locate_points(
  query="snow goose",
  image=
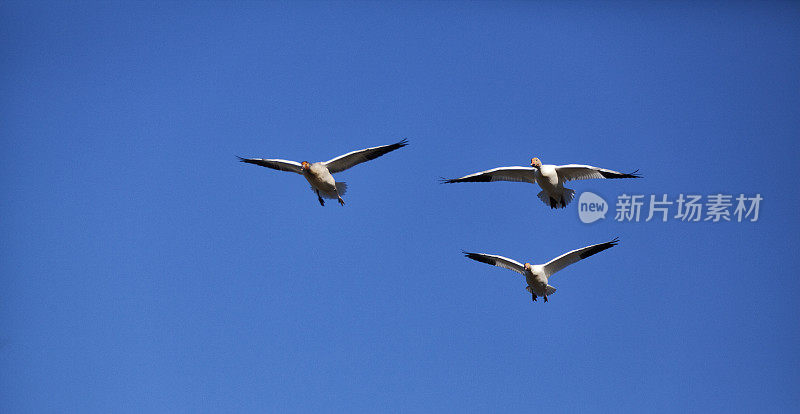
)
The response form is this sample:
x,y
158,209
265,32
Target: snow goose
x,y
319,175
537,275
551,178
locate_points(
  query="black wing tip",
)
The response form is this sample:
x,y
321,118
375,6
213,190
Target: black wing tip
x,y
385,149
397,145
479,257
478,179
613,175
599,248
634,174
242,159
473,256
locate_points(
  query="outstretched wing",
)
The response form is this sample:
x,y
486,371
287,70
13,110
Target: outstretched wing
x,y
351,159
282,165
498,261
584,172
520,174
569,258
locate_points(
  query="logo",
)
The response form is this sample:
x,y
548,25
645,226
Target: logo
x,y
591,207
634,208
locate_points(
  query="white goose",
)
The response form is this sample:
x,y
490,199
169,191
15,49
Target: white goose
x,y
551,178
537,275
319,175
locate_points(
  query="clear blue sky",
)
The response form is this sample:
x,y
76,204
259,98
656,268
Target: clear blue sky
x,y
145,270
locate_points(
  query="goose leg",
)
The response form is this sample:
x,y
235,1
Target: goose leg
x,y
545,299
534,296
321,201
340,199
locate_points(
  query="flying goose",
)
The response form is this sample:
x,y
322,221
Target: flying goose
x,y
319,175
551,178
537,275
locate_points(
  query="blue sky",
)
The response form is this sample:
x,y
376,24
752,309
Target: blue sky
x,y
145,270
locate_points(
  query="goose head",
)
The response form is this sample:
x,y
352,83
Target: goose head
x,y
536,163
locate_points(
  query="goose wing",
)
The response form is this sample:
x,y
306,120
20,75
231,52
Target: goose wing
x,y
354,158
498,261
576,255
281,165
583,172
519,174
